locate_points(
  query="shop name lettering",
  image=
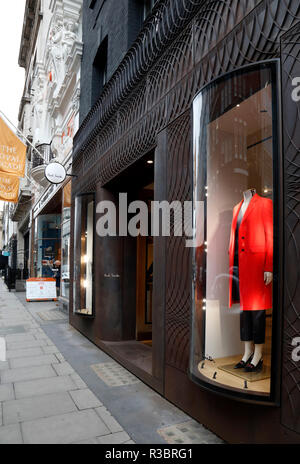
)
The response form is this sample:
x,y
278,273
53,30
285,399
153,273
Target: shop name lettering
x,y
296,351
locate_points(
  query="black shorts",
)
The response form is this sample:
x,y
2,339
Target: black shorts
x,y
253,326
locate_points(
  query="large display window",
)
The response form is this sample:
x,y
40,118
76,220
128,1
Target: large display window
x,y
236,217
84,254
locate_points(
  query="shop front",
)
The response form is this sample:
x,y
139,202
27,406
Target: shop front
x,y
219,329
50,239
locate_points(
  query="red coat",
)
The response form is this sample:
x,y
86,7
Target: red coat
x,y
255,254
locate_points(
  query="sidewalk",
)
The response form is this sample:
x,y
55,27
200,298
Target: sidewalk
x,y
57,387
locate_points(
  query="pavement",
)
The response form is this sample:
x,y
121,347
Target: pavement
x,y
56,387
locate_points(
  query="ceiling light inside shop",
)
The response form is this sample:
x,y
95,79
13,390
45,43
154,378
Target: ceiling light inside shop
x,y
150,161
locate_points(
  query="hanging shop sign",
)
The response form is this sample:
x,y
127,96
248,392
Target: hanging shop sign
x,y
55,173
5,253
9,188
12,152
41,289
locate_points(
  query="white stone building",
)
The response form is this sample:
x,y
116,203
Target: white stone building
x,y
50,52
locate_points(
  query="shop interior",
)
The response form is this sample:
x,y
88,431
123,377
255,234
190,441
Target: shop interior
x,y
239,148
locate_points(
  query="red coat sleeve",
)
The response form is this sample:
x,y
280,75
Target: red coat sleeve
x,y
268,226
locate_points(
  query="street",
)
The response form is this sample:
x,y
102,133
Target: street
x,y
58,388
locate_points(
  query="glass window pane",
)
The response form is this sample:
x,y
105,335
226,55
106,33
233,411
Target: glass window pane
x,y
47,247
65,245
233,217
83,253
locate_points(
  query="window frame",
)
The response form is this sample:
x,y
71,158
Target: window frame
x,y
278,165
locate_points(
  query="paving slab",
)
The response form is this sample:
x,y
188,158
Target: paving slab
x,y
11,435
89,441
50,349
12,330
64,429
78,381
43,386
109,420
26,373
28,409
7,392
63,368
114,438
33,361
85,399
17,338
26,344
10,354
4,365
189,432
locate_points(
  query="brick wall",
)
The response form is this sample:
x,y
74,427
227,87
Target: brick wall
x,y
120,21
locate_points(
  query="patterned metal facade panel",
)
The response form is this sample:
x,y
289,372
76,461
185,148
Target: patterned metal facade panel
x,y
178,258
184,45
291,138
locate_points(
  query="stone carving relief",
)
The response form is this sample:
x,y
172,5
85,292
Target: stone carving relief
x,y
69,37
62,36
55,49
38,105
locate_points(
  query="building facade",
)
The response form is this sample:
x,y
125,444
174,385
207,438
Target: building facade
x,y
50,52
202,106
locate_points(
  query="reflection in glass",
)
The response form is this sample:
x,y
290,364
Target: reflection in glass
x,y
233,259
83,252
66,235
47,244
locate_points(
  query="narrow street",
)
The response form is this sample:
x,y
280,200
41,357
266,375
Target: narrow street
x,y
57,387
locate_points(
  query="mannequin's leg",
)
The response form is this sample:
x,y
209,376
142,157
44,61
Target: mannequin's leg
x,y
258,354
246,328
248,351
259,330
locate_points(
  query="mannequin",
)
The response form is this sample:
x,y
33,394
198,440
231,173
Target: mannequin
x,y
251,251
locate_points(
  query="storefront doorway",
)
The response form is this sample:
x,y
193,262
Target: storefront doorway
x,y
136,346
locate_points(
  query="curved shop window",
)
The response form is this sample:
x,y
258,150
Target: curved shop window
x,y
236,300
84,254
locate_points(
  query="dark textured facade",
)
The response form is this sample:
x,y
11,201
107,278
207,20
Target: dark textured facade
x,y
118,22
146,106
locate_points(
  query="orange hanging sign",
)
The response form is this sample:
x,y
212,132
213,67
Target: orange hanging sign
x,y
9,187
12,152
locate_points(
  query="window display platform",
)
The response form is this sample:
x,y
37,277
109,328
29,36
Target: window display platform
x,y
214,370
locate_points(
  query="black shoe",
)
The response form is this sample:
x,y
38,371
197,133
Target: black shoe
x,y
251,368
242,364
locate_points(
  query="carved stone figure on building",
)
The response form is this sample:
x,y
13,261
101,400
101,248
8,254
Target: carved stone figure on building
x,y
38,105
56,50
69,37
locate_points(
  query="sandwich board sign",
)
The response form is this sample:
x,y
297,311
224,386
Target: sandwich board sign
x,y
41,289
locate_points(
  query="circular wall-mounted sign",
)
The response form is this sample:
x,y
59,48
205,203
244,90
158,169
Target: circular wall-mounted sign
x,y
55,173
